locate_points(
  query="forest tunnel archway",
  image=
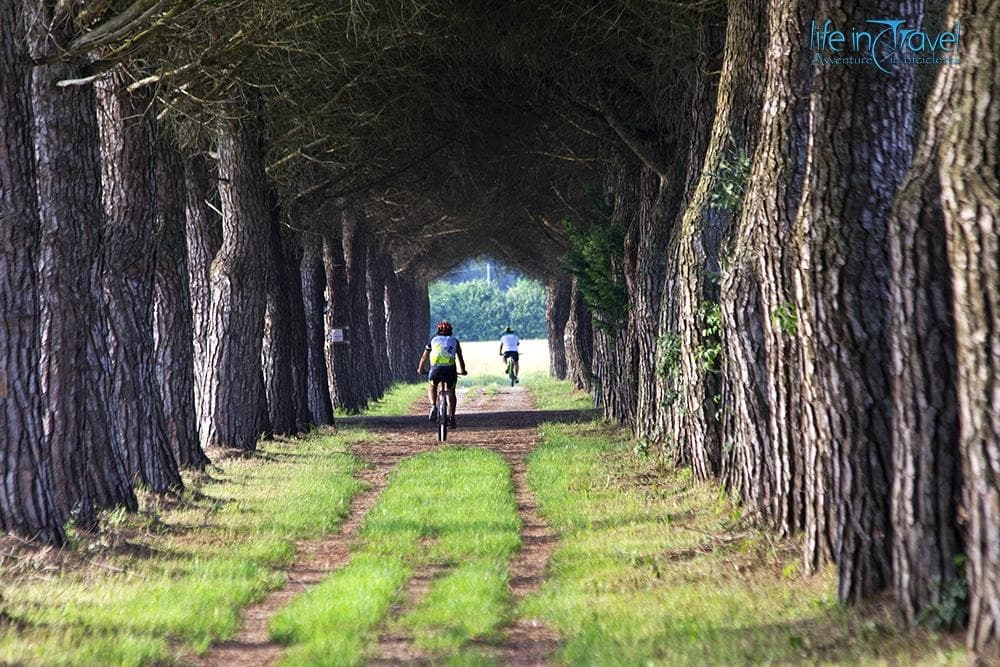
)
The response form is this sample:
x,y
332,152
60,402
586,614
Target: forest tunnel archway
x,y
756,283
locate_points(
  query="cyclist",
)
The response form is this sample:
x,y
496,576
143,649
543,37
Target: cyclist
x,y
508,349
441,353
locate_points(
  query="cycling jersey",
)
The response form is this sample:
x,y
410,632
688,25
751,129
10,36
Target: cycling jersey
x,y
443,350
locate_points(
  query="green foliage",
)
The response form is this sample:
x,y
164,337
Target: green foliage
x,y
730,178
596,260
480,310
710,353
952,609
786,316
668,365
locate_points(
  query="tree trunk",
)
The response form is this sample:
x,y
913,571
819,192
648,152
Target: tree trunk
x,y
87,458
859,152
292,243
204,238
970,195
277,345
761,382
699,239
27,506
235,389
172,311
129,189
579,341
379,266
345,390
556,315
398,326
314,302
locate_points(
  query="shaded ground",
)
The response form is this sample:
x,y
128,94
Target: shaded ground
x,y
502,421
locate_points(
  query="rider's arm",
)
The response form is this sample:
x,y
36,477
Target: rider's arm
x,y
424,358
501,348
461,359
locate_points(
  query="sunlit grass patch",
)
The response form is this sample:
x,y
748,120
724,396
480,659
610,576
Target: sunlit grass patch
x,y
453,508
397,400
655,569
160,582
552,394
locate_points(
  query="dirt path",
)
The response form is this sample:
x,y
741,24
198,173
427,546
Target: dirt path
x,y
504,422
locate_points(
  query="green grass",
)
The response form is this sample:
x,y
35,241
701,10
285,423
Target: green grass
x,y
552,394
651,569
453,508
396,401
174,579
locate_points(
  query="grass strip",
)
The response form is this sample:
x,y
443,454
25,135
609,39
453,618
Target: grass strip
x,y
552,394
451,507
655,569
171,579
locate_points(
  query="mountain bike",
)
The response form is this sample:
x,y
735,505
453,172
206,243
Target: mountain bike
x,y
511,373
442,409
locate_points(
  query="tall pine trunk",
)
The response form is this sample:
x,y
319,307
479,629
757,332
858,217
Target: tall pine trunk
x,y
277,345
556,316
86,453
761,383
969,172
27,507
172,311
314,304
204,238
129,189
859,152
236,406
379,266
578,340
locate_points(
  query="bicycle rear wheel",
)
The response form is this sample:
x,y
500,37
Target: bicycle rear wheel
x,y
443,414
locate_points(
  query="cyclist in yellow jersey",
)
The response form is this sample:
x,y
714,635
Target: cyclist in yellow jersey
x,y
442,353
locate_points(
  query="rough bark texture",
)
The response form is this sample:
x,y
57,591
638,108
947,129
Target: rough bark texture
x,y
579,341
379,266
172,311
87,458
292,244
697,406
556,316
344,391
398,326
27,507
128,166
860,150
969,156
204,238
235,389
314,304
761,388
926,459
276,357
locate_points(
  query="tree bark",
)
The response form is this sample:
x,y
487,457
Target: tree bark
x,y
292,244
235,388
86,453
172,311
314,303
27,507
556,316
204,238
860,150
969,174
398,326
379,266
697,427
345,391
277,345
579,341
129,192
761,383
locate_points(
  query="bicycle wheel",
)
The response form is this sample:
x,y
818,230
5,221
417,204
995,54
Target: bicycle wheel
x,y
443,414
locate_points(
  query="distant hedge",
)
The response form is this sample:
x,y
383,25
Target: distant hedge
x,y
480,310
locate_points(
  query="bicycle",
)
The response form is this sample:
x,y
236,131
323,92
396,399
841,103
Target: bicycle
x,y
442,409
511,373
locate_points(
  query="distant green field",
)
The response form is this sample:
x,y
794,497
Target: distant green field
x,y
483,357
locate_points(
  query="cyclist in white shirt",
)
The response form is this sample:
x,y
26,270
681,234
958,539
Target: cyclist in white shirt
x,y
508,349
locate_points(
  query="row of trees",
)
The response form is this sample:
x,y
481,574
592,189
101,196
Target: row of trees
x,y
811,309
783,274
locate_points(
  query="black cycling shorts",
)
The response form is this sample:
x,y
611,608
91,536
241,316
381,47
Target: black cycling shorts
x,y
447,374
510,354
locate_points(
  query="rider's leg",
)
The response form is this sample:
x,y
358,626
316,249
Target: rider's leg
x,y
451,401
432,393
